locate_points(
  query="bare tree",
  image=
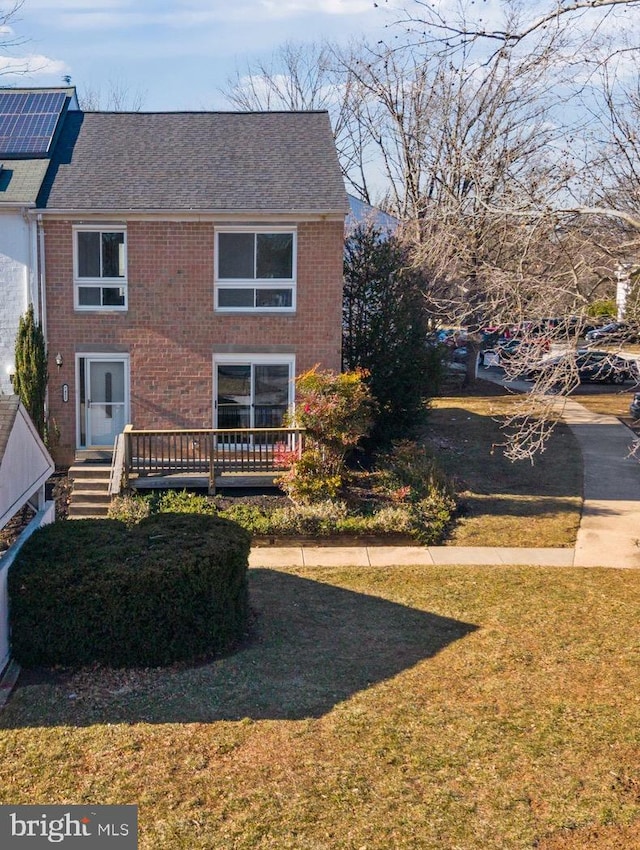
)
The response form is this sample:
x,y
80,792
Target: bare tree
x,y
446,31
8,40
116,96
506,150
296,77
303,77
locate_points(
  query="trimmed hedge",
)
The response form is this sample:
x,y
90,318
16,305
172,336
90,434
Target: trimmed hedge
x,y
172,588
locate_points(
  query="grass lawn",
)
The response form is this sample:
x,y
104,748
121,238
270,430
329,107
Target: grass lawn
x,y
612,402
505,503
457,708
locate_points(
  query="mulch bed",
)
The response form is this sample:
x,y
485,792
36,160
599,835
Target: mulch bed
x,y
14,528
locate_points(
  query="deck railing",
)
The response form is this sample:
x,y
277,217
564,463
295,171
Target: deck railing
x,y
209,451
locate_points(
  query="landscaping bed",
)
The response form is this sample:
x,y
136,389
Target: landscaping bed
x,y
336,540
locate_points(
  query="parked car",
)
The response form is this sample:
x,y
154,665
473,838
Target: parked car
x,y
613,332
634,407
508,349
591,366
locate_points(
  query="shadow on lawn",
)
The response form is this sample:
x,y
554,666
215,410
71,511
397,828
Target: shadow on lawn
x,y
312,646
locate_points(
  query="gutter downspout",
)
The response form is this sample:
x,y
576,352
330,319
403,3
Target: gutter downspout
x,y
42,278
32,267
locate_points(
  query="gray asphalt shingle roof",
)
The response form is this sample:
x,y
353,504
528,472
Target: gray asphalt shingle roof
x,y
8,411
218,161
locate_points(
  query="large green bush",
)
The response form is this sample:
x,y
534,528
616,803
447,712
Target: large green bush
x,y
384,330
171,588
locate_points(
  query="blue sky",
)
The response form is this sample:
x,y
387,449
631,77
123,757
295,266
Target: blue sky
x,y
175,53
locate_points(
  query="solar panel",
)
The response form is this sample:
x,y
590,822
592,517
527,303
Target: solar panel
x,y
28,121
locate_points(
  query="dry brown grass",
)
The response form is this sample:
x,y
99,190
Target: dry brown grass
x,y
609,402
505,503
460,707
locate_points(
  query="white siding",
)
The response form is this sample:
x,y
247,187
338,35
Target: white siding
x,y
16,281
25,467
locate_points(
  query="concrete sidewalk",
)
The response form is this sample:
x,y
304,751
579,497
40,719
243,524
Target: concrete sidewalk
x,y
398,556
609,533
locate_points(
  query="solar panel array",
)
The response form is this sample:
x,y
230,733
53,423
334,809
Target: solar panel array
x,y
28,121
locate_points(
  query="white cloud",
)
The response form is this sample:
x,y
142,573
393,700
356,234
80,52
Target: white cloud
x,y
285,8
78,5
33,65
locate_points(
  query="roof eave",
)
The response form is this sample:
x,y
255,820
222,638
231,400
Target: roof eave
x,y
28,205
212,213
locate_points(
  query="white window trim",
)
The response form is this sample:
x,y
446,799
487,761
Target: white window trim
x,y
99,282
248,359
257,283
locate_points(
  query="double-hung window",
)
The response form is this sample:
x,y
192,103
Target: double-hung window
x,y
255,269
100,268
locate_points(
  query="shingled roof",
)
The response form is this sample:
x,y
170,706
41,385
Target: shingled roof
x,y
8,410
214,161
20,180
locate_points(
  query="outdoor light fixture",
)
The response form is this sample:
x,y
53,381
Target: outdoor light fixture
x,y
59,360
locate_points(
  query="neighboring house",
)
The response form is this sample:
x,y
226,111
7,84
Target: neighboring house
x,y
25,465
193,267
361,213
627,276
29,123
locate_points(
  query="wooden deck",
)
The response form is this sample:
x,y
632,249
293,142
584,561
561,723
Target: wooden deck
x,y
203,458
198,481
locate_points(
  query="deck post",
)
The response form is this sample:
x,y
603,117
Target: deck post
x,y
212,467
127,456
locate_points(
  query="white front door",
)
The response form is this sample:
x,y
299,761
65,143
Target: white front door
x,y
103,400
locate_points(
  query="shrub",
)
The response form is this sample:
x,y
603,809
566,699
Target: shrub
x,y
336,412
409,474
171,588
31,376
384,328
129,509
183,502
312,479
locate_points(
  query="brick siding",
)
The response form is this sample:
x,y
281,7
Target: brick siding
x,y
170,330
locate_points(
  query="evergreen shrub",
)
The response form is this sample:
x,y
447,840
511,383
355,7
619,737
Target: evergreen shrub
x,y
173,587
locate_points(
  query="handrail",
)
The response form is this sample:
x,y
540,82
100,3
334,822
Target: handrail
x,y
117,466
130,430
210,451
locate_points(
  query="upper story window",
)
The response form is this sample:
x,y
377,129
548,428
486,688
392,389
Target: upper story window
x,y
255,269
100,268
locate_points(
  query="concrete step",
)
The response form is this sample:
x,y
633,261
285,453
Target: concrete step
x,y
93,496
91,484
90,493
87,510
97,472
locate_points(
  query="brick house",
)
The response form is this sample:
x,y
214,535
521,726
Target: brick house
x,y
192,267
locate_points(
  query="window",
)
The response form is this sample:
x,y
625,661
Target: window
x,y
100,276
255,270
252,391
